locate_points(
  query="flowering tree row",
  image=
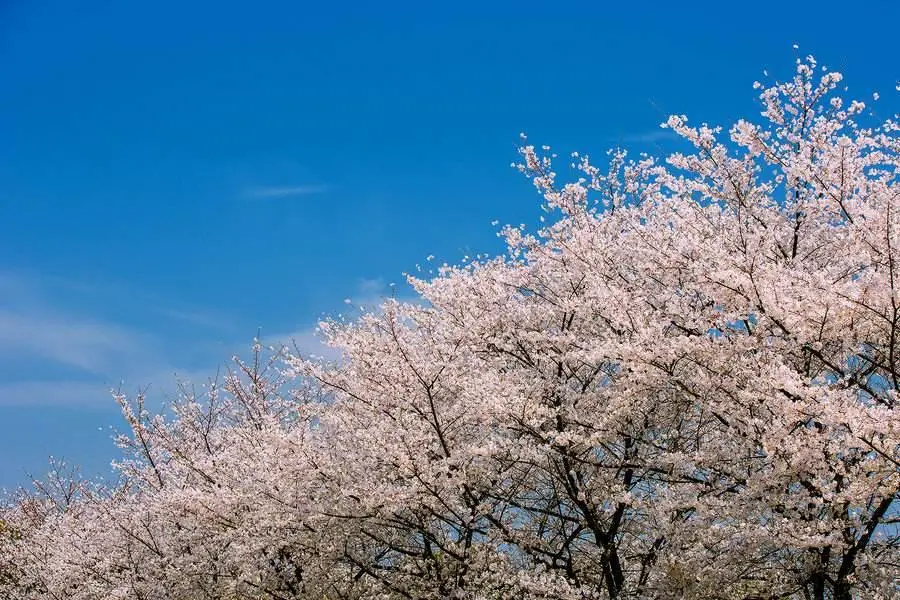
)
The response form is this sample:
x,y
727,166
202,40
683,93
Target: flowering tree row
x,y
684,386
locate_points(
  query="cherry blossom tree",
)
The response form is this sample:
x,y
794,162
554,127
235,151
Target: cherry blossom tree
x,y
683,386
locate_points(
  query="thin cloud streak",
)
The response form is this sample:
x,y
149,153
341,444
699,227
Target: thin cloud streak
x,y
55,353
90,346
286,191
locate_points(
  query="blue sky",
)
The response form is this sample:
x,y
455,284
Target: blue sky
x,y
174,175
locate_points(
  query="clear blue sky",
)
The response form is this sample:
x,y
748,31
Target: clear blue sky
x,y
174,175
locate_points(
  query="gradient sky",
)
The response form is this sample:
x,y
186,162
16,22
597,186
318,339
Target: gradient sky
x,y
174,175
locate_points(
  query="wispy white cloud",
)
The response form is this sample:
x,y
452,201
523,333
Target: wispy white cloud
x,y
285,191
37,332
54,352
84,344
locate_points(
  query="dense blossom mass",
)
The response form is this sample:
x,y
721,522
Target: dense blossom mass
x,y
685,385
